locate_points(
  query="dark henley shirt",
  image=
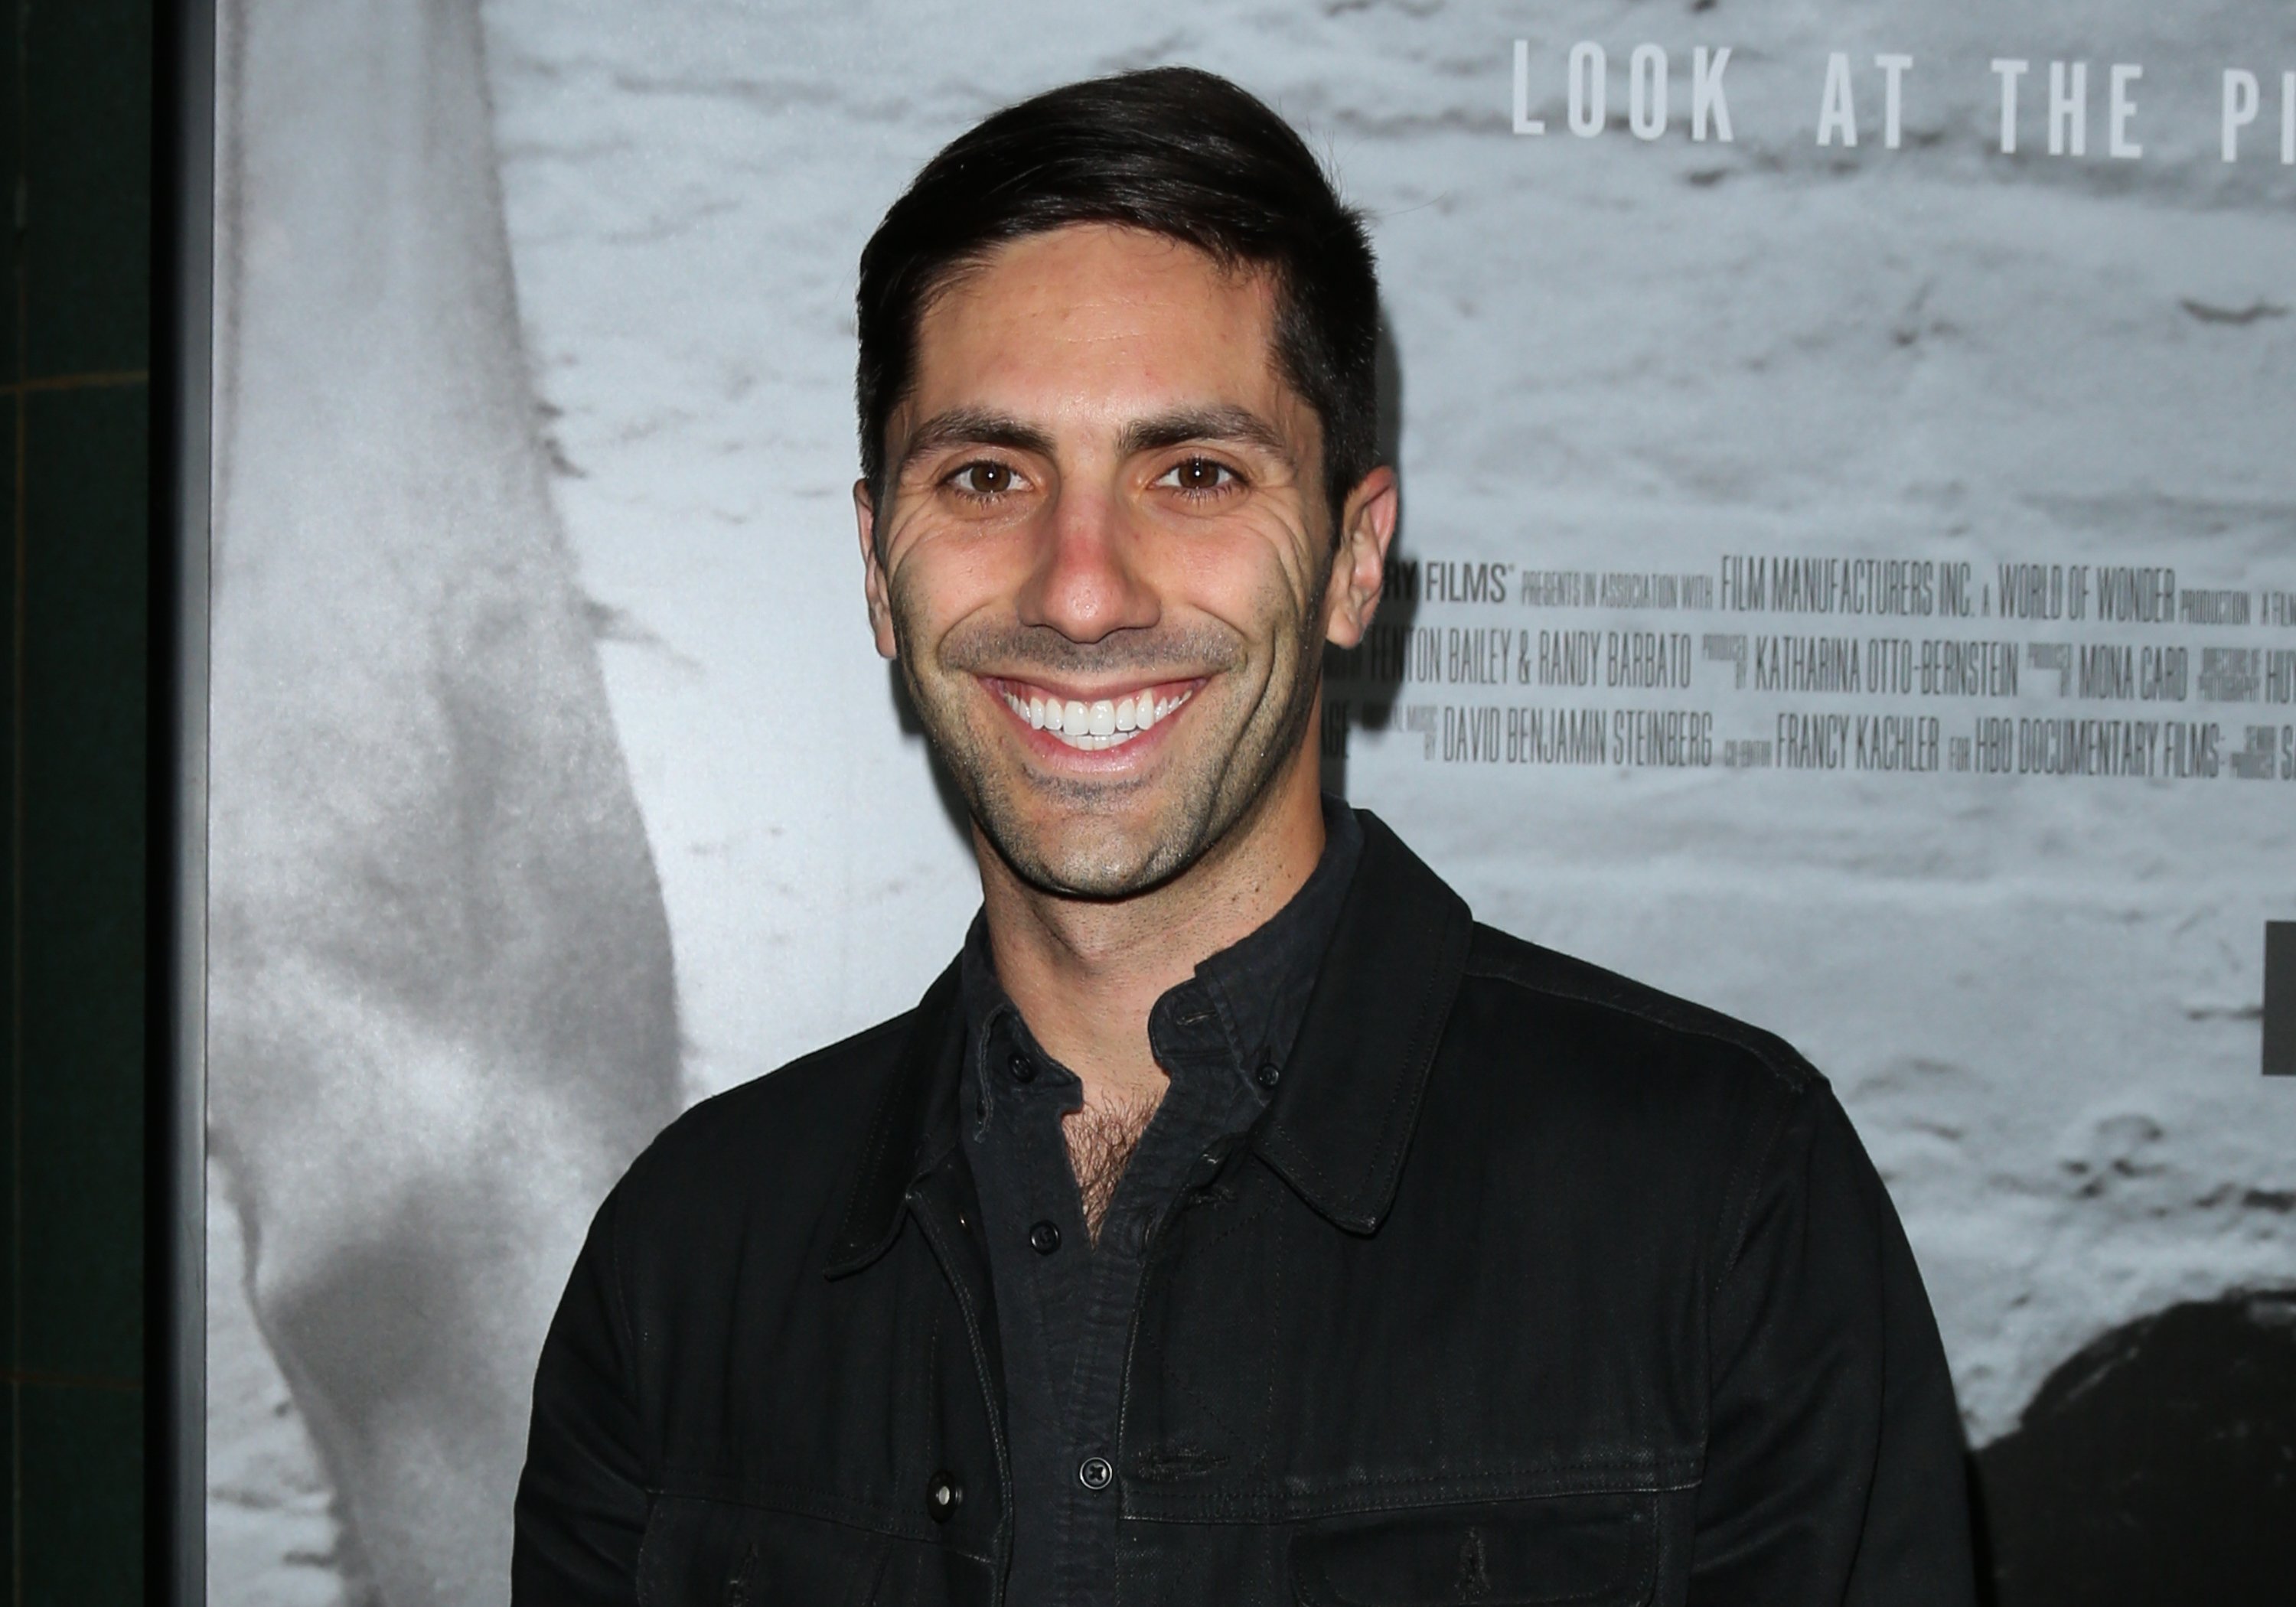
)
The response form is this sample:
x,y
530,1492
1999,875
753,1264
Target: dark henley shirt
x,y
1064,1304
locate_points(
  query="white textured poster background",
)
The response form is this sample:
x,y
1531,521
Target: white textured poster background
x,y
2037,995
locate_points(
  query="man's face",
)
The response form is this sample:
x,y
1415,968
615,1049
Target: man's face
x,y
1107,565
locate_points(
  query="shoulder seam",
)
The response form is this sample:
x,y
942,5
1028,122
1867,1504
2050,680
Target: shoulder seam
x,y
1746,1038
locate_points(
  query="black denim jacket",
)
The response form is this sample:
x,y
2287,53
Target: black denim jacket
x,y
1531,1286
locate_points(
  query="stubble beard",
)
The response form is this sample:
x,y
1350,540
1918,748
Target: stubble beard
x,y
1076,837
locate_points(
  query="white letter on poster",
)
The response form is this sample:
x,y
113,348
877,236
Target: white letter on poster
x,y
2120,108
1588,71
1647,92
1524,123
2068,110
1835,114
2011,69
2239,109
1893,73
1706,94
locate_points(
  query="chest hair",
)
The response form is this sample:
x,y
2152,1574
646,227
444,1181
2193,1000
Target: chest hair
x,y
1102,1139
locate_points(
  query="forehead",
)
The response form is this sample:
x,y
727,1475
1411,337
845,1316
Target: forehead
x,y
1094,318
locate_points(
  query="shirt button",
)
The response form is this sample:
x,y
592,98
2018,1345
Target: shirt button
x,y
943,1496
1021,1070
1269,1075
1044,1238
1094,1472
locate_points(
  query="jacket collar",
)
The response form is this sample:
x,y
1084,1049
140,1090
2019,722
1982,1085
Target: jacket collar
x,y
1342,1117
1339,1124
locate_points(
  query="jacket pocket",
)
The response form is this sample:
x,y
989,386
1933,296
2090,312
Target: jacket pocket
x,y
1589,1551
722,1554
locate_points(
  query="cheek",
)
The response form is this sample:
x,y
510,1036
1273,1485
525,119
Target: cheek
x,y
1261,580
937,578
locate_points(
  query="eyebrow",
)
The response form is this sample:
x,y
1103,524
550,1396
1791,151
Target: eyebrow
x,y
984,427
1237,426
972,427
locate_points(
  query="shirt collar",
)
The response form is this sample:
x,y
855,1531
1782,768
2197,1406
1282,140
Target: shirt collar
x,y
1337,1131
1242,1006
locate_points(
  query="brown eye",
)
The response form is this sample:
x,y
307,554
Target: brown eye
x,y
1198,475
985,479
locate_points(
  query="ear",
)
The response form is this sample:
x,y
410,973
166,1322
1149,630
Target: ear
x,y
873,583
1360,564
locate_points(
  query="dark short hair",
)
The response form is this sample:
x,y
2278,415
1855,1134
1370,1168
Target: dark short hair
x,y
1173,151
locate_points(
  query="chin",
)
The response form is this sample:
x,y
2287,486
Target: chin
x,y
1086,858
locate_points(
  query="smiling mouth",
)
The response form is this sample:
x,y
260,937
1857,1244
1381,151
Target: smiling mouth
x,y
1094,725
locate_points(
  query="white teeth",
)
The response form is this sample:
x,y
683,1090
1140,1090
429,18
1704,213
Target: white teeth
x,y
1103,724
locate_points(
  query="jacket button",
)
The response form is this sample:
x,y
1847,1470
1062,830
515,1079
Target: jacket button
x,y
1094,1472
1044,1238
1269,1075
1021,1070
943,1496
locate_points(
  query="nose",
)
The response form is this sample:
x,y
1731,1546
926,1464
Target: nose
x,y
1086,582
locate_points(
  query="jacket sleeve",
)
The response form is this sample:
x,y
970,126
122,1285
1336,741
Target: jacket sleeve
x,y
582,1499
1835,1456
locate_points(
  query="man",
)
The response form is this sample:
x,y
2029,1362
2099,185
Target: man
x,y
1235,1221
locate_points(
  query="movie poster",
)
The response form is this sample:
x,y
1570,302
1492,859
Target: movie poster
x,y
1847,578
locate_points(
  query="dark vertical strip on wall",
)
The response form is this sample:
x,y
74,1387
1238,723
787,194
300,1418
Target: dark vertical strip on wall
x,y
12,499
2280,998
79,83
183,156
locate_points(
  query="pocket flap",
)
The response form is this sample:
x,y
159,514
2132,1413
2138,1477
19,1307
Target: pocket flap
x,y
1595,1549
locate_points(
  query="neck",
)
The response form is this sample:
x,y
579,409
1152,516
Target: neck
x,y
1085,974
